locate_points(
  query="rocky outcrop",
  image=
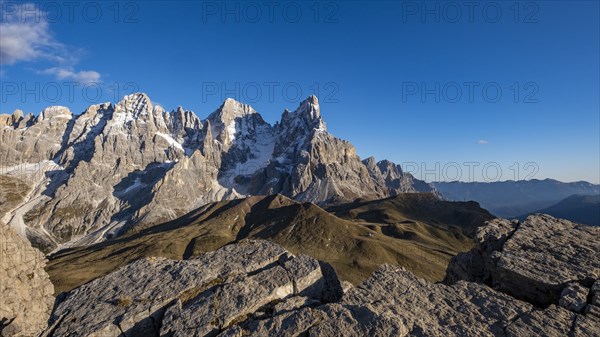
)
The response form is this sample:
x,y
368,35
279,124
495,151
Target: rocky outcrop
x,y
542,260
393,302
395,181
115,166
30,139
310,164
202,296
25,289
255,288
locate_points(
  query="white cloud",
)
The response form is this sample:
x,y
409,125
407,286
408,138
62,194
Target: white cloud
x,y
482,142
25,36
83,77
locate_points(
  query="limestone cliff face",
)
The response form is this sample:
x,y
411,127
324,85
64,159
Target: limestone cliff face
x,y
311,165
25,289
93,175
30,139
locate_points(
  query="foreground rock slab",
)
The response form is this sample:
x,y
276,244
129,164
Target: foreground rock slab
x,y
199,297
256,288
394,302
539,260
25,288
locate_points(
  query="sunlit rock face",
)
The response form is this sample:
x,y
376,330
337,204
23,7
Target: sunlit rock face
x,y
92,176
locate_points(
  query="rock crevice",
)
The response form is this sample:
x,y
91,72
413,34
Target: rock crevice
x,y
542,260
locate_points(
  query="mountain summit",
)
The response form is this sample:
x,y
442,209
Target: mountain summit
x,y
84,178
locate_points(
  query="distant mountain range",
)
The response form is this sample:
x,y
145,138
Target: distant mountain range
x,y
514,198
583,209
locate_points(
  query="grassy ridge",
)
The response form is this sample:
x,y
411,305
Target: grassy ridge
x,y
413,230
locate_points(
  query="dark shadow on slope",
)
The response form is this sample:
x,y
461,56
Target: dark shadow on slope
x,y
410,207
183,221
64,144
136,191
83,150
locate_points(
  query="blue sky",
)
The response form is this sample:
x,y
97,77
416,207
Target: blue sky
x,y
388,74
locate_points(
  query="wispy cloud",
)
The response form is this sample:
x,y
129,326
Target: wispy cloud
x,y
68,73
482,142
26,36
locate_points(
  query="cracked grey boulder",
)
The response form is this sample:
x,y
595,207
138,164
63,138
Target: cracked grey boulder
x,y
26,293
394,302
534,260
574,297
553,321
477,264
204,295
218,308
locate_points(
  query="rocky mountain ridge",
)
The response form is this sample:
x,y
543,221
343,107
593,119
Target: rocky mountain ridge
x,y
414,230
93,175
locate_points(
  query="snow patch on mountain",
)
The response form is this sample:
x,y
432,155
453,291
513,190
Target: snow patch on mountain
x,y
170,140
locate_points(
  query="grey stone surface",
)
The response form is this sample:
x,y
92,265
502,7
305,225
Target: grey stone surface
x,y
256,288
574,297
588,324
395,302
26,293
533,260
595,290
204,295
553,321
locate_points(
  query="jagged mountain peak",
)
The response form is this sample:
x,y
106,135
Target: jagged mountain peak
x,y
13,119
55,111
231,109
234,119
17,119
370,161
387,167
309,108
307,116
134,105
17,114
